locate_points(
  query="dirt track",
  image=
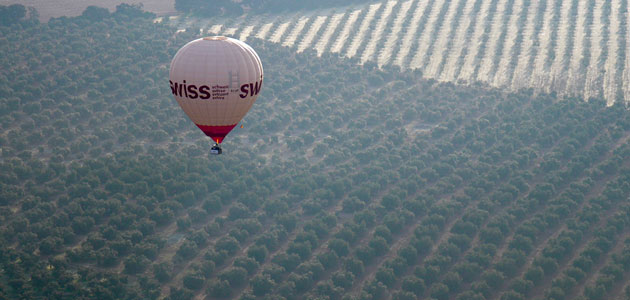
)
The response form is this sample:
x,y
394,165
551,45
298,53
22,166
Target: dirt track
x,y
56,8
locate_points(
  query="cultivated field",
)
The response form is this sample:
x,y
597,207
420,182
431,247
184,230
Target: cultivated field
x,y
571,47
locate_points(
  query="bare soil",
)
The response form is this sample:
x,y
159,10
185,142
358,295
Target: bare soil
x,y
56,8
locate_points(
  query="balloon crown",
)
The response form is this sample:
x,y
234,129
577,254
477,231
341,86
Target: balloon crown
x,y
215,38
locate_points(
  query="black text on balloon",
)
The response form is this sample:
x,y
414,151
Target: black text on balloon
x,y
190,91
250,89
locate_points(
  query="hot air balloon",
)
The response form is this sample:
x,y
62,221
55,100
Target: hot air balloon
x,y
216,80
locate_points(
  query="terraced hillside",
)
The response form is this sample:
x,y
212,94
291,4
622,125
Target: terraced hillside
x,y
572,47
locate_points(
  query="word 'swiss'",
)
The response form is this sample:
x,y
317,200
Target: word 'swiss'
x,y
253,88
205,92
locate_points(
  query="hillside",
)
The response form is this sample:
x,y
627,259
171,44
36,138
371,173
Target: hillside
x,y
348,181
570,47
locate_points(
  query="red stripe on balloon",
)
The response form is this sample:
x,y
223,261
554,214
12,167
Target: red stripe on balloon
x,y
217,133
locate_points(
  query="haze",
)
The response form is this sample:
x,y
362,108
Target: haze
x,y
56,8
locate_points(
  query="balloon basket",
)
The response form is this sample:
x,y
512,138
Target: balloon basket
x,y
216,149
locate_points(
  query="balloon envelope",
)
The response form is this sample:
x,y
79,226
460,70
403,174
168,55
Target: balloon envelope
x,y
216,80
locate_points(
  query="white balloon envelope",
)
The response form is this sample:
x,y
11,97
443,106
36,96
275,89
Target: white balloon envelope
x,y
216,80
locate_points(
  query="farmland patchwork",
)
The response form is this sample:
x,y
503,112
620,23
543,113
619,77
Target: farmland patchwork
x,y
575,48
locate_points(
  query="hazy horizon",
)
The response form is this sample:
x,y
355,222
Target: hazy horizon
x,y
56,8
